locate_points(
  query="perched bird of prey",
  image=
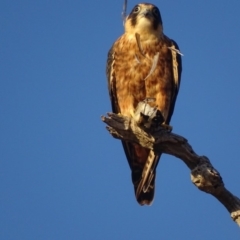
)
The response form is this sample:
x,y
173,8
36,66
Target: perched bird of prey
x,y
143,63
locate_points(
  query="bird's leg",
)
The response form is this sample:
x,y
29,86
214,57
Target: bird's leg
x,y
150,117
143,113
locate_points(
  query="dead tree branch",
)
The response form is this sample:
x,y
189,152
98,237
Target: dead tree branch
x,y
203,175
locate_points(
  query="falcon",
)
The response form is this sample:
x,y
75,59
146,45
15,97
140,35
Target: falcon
x,y
143,64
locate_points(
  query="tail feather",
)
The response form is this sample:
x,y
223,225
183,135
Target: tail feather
x,y
142,186
143,163
146,198
146,185
152,172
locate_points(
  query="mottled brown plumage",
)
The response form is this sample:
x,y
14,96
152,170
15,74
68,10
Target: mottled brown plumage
x,y
133,77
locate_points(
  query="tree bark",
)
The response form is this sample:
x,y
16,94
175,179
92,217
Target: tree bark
x,y
203,175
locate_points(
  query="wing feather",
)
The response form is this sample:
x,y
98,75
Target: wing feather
x,y
128,149
177,71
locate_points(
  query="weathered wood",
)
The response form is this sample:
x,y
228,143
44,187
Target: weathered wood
x,y
203,175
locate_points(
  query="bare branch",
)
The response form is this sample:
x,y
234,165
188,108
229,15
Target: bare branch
x,y
203,175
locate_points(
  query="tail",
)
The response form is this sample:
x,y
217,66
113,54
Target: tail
x,y
143,163
145,197
145,188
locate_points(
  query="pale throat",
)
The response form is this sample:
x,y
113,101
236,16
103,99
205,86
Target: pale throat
x,y
145,29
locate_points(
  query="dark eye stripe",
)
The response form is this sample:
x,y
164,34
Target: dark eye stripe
x,y
157,17
133,15
156,11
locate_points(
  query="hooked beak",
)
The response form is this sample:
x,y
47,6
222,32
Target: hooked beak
x,y
147,13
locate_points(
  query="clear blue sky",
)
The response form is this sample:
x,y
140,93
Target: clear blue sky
x,y
62,175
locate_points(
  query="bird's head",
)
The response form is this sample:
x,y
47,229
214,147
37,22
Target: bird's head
x,y
144,18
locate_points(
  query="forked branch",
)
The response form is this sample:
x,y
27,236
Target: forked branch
x,y
203,175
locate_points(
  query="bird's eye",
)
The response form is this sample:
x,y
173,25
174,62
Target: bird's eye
x,y
155,11
136,9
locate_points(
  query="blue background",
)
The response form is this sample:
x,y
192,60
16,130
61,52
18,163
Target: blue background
x,y
62,175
